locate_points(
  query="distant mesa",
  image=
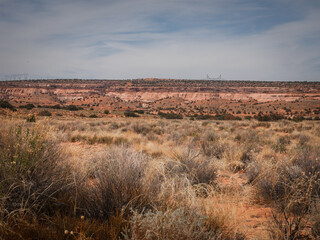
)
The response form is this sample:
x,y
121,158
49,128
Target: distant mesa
x,y
187,97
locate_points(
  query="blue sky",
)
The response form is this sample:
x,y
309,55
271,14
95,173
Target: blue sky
x,y
121,39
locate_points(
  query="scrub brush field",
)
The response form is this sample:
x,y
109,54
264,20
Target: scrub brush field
x,y
151,178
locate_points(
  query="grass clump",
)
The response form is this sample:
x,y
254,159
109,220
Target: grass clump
x,y
211,145
197,168
118,175
31,118
292,188
172,224
140,128
33,183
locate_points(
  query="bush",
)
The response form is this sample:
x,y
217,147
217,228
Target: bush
x,y
172,224
93,116
292,188
106,111
45,113
57,106
203,117
170,115
226,116
72,108
288,178
298,118
210,145
140,128
190,163
130,114
281,144
270,117
118,175
139,111
28,106
32,178
31,118
6,104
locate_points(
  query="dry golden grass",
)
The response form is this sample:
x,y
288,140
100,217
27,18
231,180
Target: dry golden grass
x,y
125,175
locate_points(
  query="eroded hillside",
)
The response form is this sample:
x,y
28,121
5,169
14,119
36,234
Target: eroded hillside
x,y
182,96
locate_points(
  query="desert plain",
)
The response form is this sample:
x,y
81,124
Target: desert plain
x,y
159,159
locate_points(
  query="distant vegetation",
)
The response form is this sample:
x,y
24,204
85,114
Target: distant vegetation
x,y
72,108
28,106
139,111
67,107
130,114
270,117
45,113
6,104
170,115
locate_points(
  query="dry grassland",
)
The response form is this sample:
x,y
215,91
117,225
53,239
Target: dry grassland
x,y
116,178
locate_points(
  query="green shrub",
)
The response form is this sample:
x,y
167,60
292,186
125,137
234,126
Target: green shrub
x,y
106,111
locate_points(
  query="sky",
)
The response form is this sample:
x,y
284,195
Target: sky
x,y
270,40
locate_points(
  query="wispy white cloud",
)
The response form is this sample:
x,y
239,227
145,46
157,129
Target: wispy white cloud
x,y
174,39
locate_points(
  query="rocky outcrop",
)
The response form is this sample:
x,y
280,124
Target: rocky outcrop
x,y
150,90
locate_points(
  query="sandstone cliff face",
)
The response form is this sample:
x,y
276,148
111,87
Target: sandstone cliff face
x,y
67,95
152,96
196,96
82,91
